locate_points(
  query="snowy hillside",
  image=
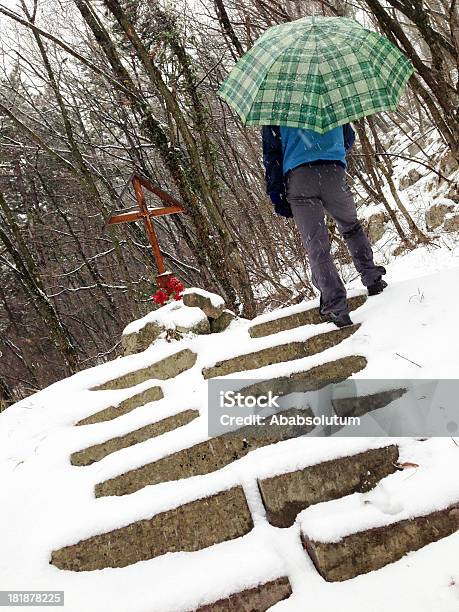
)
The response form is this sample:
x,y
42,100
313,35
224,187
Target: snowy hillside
x,y
409,331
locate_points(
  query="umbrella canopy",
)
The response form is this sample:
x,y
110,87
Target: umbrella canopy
x,y
316,73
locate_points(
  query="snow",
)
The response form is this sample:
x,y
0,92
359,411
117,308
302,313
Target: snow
x,y
170,316
175,314
408,332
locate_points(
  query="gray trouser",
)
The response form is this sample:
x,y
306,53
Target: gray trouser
x,y
312,190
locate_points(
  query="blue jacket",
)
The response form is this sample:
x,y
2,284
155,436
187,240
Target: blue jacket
x,y
306,147
273,159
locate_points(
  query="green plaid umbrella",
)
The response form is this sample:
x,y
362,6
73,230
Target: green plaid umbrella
x,y
316,73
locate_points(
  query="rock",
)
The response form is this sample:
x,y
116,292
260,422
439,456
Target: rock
x,y
193,526
409,179
170,366
141,340
163,322
451,224
97,452
211,303
192,320
297,319
436,214
259,598
201,327
151,394
448,163
222,322
376,226
285,495
453,194
414,149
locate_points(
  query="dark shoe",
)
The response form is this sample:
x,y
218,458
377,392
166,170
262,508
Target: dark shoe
x,y
339,319
321,306
377,287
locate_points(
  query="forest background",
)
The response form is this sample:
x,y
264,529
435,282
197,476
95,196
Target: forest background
x,y
91,92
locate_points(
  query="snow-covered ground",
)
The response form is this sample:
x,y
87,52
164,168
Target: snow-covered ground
x,y
410,331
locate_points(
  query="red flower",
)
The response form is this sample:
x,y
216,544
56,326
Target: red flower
x,y
160,297
173,290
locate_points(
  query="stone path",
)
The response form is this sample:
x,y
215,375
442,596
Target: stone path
x,y
225,515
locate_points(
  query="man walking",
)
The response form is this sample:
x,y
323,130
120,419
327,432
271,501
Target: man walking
x,y
305,176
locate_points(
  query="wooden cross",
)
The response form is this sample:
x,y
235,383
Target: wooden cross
x,y
145,213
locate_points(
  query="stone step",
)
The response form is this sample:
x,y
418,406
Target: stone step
x,y
170,366
141,339
192,526
257,599
361,405
151,394
285,495
305,317
313,379
279,353
371,549
90,455
214,454
202,458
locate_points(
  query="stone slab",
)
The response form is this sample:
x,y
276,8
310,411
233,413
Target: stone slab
x,y
97,452
358,406
257,599
222,322
313,379
170,366
372,549
141,340
280,353
192,526
200,327
285,495
212,308
151,394
305,317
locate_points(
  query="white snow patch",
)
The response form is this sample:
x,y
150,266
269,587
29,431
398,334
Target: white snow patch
x,y
170,316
